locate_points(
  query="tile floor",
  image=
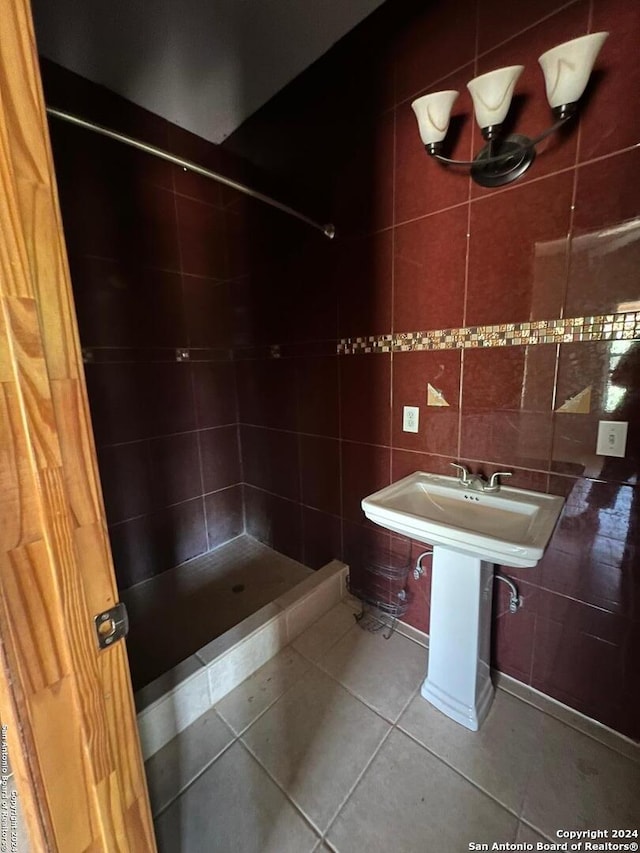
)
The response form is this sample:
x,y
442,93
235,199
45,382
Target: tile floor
x,y
201,600
330,747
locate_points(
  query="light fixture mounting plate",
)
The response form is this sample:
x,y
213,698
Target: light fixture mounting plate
x,y
519,153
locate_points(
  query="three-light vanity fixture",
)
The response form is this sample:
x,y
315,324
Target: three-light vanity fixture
x,y
566,70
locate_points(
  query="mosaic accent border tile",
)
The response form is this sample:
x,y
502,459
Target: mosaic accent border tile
x,y
603,327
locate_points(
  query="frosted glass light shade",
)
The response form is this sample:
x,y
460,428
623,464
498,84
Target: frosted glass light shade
x,y
433,113
492,94
567,68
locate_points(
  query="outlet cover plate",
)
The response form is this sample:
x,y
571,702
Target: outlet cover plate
x,y
410,418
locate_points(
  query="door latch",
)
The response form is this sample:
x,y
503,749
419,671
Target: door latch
x,y
111,625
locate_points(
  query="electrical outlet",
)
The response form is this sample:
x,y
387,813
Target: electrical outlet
x,y
410,418
612,438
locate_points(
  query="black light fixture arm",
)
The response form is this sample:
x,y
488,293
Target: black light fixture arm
x,y
523,144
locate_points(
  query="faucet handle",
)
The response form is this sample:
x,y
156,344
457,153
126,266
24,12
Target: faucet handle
x,y
465,475
494,485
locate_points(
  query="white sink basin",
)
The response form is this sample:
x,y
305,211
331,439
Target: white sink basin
x,y
511,526
469,530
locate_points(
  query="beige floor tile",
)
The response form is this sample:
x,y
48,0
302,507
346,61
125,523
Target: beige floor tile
x,y
315,741
526,835
383,673
498,758
318,639
241,707
408,801
171,769
234,807
577,783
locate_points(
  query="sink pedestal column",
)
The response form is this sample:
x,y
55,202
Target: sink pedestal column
x,y
458,679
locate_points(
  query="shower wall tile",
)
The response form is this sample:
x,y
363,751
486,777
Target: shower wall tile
x,y
169,397
518,251
413,373
267,392
112,219
209,312
405,462
364,275
365,392
214,386
322,537
422,186
423,56
119,305
499,422
187,145
318,395
430,272
181,531
220,454
137,550
605,243
270,460
513,643
175,468
320,473
604,375
117,402
225,515
616,84
576,666
126,478
275,521
497,22
144,287
363,186
202,238
365,469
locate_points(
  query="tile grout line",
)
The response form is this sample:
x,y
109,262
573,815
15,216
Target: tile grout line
x,y
297,807
459,773
573,726
483,53
277,699
199,774
357,782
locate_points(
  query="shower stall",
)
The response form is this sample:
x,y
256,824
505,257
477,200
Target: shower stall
x,y
170,254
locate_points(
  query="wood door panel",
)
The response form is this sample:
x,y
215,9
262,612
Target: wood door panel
x,y
19,521
69,707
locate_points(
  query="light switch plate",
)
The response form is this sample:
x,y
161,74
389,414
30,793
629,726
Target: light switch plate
x,y
612,438
410,418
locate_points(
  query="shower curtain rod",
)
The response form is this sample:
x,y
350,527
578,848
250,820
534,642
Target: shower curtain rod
x,y
328,230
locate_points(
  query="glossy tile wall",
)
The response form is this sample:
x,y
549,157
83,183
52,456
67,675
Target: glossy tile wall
x,y
422,249
148,256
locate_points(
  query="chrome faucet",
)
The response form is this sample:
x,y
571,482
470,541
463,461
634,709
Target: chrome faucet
x,y
476,481
468,480
493,485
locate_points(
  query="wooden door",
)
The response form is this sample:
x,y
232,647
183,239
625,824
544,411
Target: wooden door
x,y
68,708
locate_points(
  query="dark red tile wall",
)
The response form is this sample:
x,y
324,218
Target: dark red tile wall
x,y
421,248
148,251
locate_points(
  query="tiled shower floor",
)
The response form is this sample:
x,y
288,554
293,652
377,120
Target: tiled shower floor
x,y
178,612
330,747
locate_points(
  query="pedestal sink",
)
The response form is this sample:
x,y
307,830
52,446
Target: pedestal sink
x,y
470,529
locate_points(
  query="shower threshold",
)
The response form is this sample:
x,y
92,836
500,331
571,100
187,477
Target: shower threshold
x,y
180,695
